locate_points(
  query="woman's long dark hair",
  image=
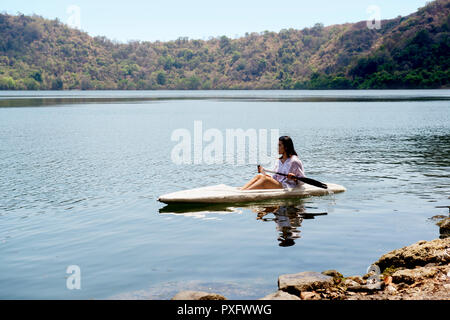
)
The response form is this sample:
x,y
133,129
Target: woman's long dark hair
x,y
288,146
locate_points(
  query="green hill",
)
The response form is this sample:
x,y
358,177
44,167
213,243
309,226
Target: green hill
x,y
407,52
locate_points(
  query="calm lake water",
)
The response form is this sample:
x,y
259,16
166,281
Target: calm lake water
x,y
80,174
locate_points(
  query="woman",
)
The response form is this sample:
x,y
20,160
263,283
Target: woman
x,y
288,163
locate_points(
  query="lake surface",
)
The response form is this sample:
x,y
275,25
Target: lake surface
x,y
80,174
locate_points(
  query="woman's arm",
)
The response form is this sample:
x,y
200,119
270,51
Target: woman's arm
x,y
261,170
296,169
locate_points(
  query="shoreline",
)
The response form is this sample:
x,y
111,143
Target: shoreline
x,y
420,271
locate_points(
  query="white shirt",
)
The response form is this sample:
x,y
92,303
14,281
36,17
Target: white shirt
x,y
291,165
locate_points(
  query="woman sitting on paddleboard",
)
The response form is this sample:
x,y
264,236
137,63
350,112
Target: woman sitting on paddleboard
x,y
288,163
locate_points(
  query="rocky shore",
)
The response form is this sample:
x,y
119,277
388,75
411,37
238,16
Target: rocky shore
x,y
420,271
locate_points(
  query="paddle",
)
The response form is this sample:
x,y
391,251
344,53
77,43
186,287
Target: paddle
x,y
302,179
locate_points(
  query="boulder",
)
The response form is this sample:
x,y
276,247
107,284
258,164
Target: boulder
x,y
357,279
371,287
410,276
304,281
444,228
280,295
418,254
333,273
350,283
437,217
391,289
197,295
337,276
306,295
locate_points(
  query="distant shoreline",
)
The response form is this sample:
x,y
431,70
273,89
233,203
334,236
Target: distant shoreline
x,y
59,97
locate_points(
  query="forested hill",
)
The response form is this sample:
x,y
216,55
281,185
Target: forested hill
x,y
407,52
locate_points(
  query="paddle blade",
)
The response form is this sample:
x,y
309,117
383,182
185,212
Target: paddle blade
x,y
313,182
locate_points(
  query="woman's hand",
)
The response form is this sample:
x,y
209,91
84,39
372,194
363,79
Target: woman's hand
x,y
291,176
261,170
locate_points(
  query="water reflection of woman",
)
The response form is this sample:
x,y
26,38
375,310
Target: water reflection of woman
x,y
288,219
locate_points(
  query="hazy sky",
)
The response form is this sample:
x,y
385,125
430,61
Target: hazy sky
x,y
200,19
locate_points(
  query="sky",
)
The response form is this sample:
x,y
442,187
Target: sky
x,y
201,19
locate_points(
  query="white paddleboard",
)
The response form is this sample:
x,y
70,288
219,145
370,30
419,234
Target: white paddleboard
x,y
222,193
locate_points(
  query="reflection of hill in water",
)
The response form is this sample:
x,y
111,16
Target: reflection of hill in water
x,y
35,100
287,214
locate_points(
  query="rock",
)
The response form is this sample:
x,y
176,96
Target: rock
x,y
417,254
366,287
371,278
430,265
357,279
391,289
333,273
303,281
333,289
413,275
334,296
337,276
437,217
402,286
280,295
197,295
374,286
372,275
350,283
444,228
387,280
306,295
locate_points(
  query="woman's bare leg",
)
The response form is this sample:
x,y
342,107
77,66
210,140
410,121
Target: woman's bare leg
x,y
252,181
265,183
